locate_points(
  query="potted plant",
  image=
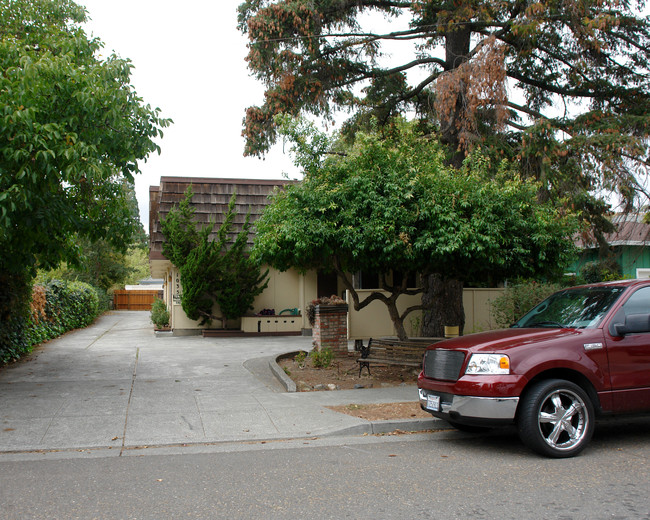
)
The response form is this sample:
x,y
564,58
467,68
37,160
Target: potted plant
x,y
159,315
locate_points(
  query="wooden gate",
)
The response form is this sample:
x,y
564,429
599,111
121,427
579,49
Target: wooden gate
x,y
135,300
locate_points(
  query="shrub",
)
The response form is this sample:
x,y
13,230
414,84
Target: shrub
x,y
322,358
159,314
71,305
601,271
518,299
300,358
14,313
56,308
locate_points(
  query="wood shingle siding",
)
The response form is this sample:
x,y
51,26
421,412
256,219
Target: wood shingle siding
x,y
210,202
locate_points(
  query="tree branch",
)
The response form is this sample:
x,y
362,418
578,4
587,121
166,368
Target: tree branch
x,y
516,126
629,41
414,308
526,110
549,87
347,283
388,72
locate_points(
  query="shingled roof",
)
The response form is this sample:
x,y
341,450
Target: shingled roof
x,y
210,202
631,230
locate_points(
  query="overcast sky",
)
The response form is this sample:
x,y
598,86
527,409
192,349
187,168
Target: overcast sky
x,y
189,62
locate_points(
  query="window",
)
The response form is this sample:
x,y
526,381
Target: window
x,y
643,273
638,303
367,280
574,308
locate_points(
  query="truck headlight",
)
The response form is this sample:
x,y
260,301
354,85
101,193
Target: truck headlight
x,y
488,364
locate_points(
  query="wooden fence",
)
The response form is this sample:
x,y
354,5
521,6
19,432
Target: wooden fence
x,y
135,300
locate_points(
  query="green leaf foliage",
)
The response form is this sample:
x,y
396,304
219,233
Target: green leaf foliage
x,y
518,299
242,280
102,264
71,131
393,204
67,306
159,313
199,275
180,231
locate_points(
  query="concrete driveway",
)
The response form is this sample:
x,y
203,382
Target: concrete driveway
x,y
117,385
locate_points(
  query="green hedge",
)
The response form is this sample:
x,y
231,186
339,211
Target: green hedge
x,y
57,307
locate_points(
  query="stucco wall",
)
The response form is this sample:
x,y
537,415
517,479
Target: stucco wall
x,y
373,321
286,290
290,289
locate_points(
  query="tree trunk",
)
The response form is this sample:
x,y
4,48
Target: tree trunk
x,y
398,322
445,298
457,47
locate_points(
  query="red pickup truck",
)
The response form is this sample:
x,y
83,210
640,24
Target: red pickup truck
x,y
583,352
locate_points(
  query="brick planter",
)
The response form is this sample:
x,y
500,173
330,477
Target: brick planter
x,y
331,328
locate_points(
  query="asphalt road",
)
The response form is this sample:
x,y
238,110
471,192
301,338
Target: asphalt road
x,y
442,475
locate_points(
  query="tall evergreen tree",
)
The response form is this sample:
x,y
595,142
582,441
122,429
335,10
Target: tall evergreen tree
x,y
218,271
241,281
561,86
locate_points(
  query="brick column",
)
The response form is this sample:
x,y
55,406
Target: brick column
x,y
331,328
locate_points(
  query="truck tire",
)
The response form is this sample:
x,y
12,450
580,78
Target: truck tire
x,y
556,418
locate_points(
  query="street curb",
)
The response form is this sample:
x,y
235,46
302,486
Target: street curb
x,y
408,425
365,428
286,381
389,426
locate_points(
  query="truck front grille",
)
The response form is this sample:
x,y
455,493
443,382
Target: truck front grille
x,y
443,364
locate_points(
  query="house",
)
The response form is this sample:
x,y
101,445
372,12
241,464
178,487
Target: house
x,y
286,291
628,247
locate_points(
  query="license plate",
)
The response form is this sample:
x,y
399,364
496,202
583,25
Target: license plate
x,y
433,402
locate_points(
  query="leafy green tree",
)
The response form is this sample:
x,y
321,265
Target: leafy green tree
x,y
102,264
71,130
391,205
213,270
137,264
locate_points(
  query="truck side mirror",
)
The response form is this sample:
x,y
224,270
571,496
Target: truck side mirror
x,y
634,324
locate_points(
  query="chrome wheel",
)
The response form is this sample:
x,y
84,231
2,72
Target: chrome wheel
x,y
555,418
563,420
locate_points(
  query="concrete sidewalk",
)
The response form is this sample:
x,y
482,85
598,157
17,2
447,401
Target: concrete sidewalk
x,y
118,385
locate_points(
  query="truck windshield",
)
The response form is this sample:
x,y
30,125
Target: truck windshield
x,y
573,308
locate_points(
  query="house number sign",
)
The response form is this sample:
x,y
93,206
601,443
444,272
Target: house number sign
x,y
177,288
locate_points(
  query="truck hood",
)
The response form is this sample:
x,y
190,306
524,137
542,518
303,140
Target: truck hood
x,y
505,339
